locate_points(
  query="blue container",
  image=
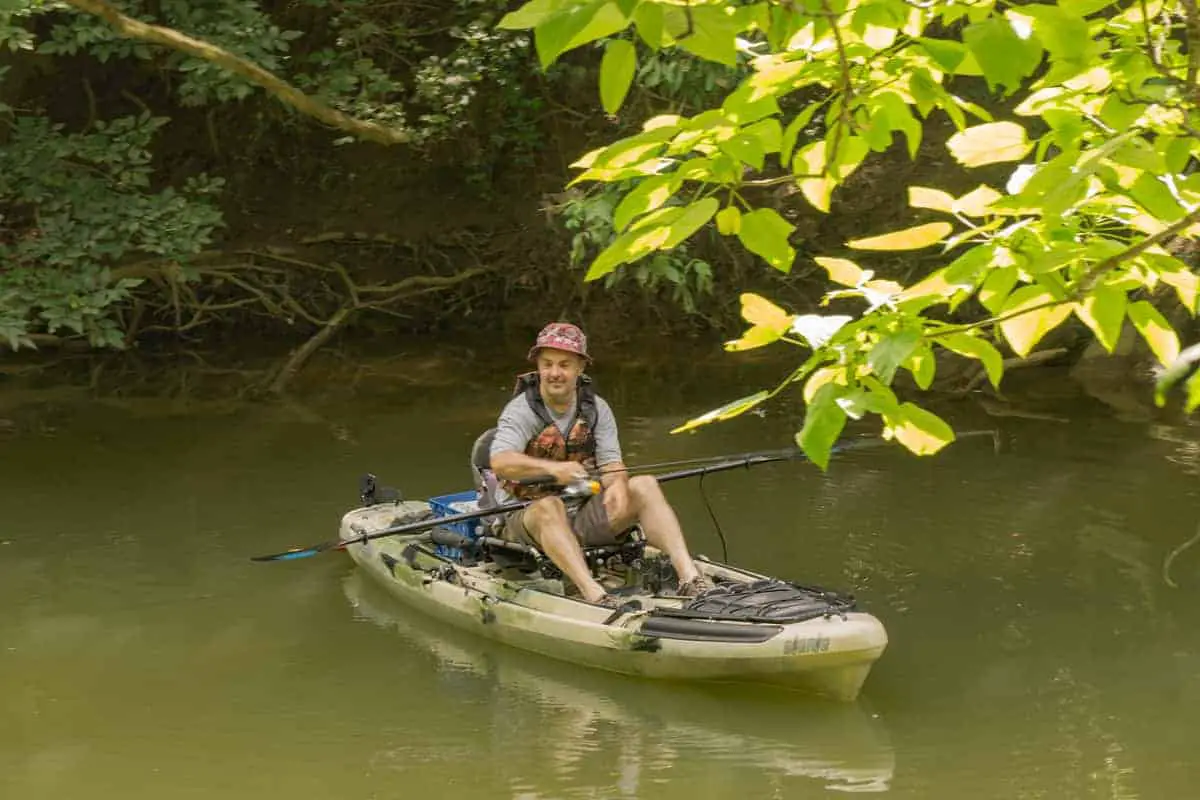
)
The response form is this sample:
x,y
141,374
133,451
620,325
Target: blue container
x,y
448,505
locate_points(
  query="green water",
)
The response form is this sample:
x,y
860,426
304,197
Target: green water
x,y
1037,649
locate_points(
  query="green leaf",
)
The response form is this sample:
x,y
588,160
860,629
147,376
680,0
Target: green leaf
x,y
922,365
792,131
530,15
1005,57
890,352
745,148
975,347
765,233
648,195
745,105
714,35
1104,312
616,73
576,24
990,143
946,53
1030,323
729,221
694,216
629,246
648,17
921,431
824,420
908,239
996,287
1161,337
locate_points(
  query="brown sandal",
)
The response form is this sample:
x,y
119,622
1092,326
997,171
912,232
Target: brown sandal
x,y
695,587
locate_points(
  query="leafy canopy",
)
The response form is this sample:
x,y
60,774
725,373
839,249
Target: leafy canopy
x,y
1085,190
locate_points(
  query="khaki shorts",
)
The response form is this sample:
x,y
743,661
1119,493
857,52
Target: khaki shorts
x,y
589,522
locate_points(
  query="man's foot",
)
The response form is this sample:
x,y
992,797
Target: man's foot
x,y
607,600
695,587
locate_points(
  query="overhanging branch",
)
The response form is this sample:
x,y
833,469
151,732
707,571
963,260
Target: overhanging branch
x,y
281,89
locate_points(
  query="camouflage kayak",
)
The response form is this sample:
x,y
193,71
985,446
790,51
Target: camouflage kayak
x,y
749,628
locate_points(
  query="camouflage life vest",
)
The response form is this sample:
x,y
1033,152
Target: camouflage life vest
x,y
579,444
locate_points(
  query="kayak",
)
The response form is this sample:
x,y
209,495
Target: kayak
x,y
749,628
842,746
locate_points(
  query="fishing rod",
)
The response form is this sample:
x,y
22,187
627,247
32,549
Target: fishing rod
x,y
575,491
750,458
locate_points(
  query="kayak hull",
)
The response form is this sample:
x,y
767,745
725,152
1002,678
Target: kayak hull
x,y
829,655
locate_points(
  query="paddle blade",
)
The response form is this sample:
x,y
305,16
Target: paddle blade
x,y
291,555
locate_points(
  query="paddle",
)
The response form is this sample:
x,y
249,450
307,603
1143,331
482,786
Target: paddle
x,y
575,491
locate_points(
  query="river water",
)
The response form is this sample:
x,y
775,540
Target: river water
x,y
1039,649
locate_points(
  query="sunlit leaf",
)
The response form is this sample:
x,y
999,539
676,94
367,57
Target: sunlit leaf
x,y
647,196
818,329
977,202
935,199
1104,312
758,310
694,216
921,431
824,420
729,220
1185,364
754,337
727,411
616,73
908,239
990,143
1031,312
821,377
1186,285
1155,329
843,271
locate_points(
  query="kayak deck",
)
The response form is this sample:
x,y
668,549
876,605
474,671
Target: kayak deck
x,y
824,647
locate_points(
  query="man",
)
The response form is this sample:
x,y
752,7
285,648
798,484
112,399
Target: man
x,y
556,425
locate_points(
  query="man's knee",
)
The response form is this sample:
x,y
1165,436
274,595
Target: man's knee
x,y
645,488
545,511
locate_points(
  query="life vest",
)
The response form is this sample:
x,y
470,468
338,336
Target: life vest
x,y
579,443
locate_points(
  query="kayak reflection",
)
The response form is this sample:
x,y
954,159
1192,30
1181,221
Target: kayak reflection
x,y
575,717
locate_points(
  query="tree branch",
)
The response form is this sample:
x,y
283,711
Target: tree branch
x,y
281,89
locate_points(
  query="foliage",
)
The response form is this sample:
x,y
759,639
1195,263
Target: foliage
x,y
73,204
591,219
1082,189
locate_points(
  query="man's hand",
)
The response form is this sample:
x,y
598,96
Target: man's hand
x,y
565,472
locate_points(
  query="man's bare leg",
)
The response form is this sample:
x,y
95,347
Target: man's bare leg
x,y
650,508
546,521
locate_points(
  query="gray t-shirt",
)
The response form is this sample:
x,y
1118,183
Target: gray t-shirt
x,y
518,425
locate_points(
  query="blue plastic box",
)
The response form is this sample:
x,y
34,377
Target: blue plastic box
x,y
448,505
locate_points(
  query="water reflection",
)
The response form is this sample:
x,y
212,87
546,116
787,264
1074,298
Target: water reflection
x,y
601,733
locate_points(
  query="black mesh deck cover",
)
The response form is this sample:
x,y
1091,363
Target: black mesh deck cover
x,y
768,600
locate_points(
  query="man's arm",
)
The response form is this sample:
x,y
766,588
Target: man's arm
x,y
516,426
512,465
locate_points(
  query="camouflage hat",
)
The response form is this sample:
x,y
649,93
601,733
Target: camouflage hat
x,y
561,336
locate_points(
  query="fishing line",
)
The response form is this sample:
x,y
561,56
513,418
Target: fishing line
x,y
716,524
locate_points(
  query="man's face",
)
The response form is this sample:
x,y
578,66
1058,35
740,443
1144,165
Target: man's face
x,y
558,371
